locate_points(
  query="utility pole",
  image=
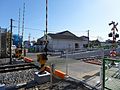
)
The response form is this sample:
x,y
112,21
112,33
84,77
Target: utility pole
x,y
46,18
29,38
11,20
88,38
46,41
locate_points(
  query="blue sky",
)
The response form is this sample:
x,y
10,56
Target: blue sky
x,y
77,16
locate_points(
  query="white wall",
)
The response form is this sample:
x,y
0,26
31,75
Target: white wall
x,y
62,44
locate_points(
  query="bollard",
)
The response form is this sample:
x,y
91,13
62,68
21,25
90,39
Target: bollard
x,y
52,73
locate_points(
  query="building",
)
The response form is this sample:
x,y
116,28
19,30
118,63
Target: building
x,y
27,44
63,41
95,43
17,40
3,42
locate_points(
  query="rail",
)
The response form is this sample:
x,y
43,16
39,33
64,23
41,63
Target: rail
x,y
16,67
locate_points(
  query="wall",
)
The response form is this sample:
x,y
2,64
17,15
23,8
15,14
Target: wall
x,y
3,36
62,44
87,54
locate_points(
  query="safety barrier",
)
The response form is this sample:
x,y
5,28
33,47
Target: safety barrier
x,y
57,72
27,59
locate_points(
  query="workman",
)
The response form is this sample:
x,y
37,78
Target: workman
x,y
42,58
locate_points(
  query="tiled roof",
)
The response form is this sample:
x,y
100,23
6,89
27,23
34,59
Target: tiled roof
x,y
64,35
55,36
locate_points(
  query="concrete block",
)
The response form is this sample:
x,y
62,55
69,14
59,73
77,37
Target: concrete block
x,y
2,86
42,78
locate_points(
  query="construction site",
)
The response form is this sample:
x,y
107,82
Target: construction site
x,y
58,61
73,74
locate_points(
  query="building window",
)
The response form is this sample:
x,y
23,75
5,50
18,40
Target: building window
x,y
76,45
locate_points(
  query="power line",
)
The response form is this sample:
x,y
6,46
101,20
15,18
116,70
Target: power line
x,y
27,28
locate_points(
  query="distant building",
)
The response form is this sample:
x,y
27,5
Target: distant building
x,y
95,43
33,42
17,40
63,41
109,41
3,42
31,46
27,44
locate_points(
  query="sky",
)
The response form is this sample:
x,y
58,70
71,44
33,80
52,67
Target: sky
x,y
76,16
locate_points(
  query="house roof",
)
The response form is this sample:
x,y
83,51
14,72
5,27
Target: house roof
x,y
64,35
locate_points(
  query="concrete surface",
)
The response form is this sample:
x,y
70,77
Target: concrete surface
x,y
75,68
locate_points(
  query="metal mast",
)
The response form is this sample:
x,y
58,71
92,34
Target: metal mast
x,y
23,23
19,30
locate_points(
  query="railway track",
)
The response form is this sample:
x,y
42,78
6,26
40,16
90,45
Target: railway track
x,y
16,67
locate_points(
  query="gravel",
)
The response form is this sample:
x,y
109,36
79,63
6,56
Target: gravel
x,y
60,85
4,61
17,77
